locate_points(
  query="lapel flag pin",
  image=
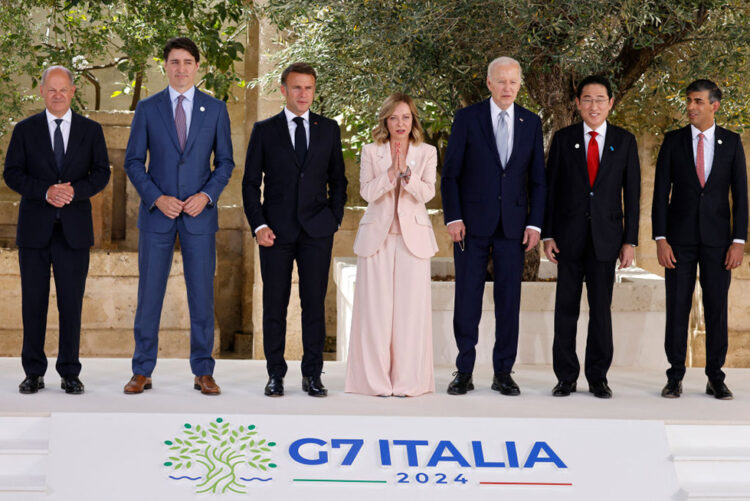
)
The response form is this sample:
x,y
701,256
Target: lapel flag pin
x,y
577,146
203,109
520,119
611,148
316,123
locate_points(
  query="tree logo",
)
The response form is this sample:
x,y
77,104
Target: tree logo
x,y
221,458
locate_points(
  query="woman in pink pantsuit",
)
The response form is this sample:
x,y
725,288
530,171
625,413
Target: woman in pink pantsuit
x,y
390,346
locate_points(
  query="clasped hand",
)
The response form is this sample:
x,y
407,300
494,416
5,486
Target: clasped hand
x,y
398,163
59,195
172,207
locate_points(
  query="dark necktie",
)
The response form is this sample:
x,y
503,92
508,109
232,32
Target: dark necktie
x,y
592,160
180,121
300,140
58,146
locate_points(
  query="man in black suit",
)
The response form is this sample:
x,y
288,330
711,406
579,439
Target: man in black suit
x,y
56,160
297,155
695,226
591,220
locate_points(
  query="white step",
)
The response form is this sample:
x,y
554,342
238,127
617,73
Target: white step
x,y
24,457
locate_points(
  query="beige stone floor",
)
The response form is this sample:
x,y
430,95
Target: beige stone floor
x,y
636,394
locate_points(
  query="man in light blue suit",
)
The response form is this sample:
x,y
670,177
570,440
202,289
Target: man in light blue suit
x,y
179,127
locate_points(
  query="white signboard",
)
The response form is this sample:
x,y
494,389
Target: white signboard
x,y
173,456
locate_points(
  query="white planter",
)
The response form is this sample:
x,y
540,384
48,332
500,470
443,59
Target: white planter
x,y
637,317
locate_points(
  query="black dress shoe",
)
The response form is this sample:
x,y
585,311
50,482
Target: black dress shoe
x,y
31,384
503,383
563,389
275,386
462,382
673,388
600,389
71,385
314,386
719,390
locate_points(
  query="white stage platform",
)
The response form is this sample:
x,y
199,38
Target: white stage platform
x,y
698,445
636,394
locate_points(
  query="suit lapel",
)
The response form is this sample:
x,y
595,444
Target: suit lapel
x,y
312,147
719,139
485,123
687,147
611,144
196,119
167,115
74,139
578,150
519,128
286,140
46,140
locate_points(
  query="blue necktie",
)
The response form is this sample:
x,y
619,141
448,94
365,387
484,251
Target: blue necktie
x,y
59,146
300,140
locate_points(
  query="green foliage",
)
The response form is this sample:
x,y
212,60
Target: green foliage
x,y
88,36
438,51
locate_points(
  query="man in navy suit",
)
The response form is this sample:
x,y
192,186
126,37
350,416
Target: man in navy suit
x,y
297,157
178,128
693,225
593,205
57,160
493,188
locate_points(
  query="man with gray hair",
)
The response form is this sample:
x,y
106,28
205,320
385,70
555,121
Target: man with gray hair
x,y
493,188
57,160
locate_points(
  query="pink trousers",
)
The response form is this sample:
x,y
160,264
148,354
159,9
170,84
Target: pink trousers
x,y
390,345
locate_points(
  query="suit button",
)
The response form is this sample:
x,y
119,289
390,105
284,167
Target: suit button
x,y
500,197
591,193
301,175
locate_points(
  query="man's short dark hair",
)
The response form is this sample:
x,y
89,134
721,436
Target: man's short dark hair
x,y
594,79
303,68
714,92
183,43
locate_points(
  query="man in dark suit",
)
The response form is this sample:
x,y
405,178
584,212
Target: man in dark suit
x,y
493,189
178,129
297,156
57,160
693,225
591,220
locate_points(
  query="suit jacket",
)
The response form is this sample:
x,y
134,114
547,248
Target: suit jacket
x,y
380,193
475,187
310,196
693,215
173,172
611,206
30,169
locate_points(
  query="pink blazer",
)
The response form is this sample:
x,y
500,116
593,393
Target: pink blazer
x,y
379,191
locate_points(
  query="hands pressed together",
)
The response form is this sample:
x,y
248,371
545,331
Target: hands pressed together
x,y
172,207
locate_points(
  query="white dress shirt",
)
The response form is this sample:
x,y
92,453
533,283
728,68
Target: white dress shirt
x,y
293,126
64,127
601,133
187,105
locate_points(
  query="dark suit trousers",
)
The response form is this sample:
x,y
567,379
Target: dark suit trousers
x,y
599,276
70,269
471,272
313,256
680,285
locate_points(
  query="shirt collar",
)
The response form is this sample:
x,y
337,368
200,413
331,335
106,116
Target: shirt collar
x,y
67,117
601,130
708,134
189,94
291,116
495,110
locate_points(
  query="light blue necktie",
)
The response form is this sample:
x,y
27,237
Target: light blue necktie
x,y
501,138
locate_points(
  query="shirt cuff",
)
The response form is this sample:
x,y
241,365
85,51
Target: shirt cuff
x,y
546,239
260,228
738,241
454,221
210,201
659,238
534,228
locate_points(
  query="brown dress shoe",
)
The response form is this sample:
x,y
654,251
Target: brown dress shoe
x,y
206,385
137,384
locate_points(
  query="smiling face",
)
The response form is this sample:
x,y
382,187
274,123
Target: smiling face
x,y
700,110
299,91
594,104
399,123
57,92
181,68
504,82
